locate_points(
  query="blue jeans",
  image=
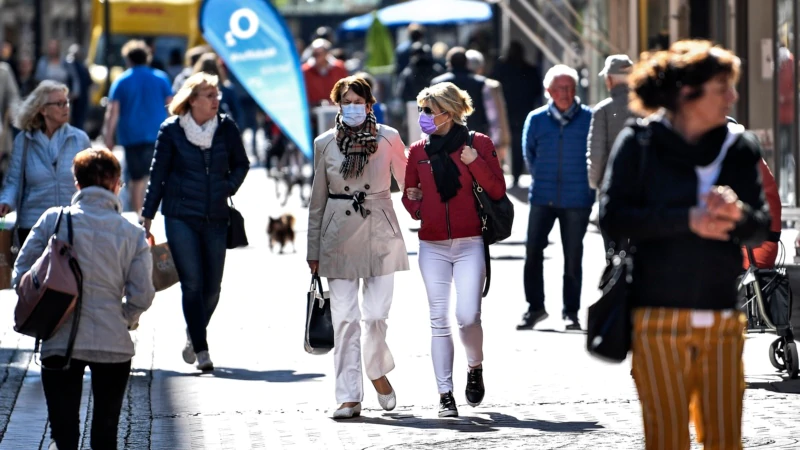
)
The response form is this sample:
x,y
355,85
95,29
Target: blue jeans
x,y
573,223
198,248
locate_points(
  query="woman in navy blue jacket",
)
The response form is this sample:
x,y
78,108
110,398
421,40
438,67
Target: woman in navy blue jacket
x,y
199,162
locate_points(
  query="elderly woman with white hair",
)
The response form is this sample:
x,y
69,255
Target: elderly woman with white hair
x,y
40,175
554,139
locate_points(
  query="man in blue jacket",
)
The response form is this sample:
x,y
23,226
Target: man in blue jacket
x,y
554,140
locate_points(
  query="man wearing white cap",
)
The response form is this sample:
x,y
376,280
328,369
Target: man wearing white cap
x,y
608,119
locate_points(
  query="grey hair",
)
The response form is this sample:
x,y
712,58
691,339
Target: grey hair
x,y
29,117
475,60
559,70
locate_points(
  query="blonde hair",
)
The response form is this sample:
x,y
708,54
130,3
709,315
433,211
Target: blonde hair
x,y
447,97
193,84
29,116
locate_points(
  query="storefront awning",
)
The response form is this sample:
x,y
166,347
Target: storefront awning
x,y
425,12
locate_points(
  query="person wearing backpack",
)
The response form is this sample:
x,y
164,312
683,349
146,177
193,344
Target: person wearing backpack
x,y
115,261
440,172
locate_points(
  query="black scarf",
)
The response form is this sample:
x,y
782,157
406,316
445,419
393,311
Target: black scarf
x,y
445,170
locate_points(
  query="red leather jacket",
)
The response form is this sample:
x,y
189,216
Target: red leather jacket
x,y
458,217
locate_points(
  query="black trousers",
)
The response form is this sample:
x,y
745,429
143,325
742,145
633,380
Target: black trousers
x,y
62,390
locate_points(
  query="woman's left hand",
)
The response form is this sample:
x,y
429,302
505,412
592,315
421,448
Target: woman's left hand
x,y
468,155
722,202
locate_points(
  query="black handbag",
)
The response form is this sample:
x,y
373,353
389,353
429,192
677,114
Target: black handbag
x,y
609,328
237,237
497,217
608,333
319,324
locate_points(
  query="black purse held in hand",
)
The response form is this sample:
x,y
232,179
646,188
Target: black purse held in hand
x,y
497,217
319,324
237,237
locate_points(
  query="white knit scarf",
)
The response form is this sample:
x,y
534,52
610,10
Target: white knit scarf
x,y
199,135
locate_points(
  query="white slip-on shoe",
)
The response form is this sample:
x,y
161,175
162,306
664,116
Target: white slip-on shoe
x,y
387,401
188,351
204,361
347,413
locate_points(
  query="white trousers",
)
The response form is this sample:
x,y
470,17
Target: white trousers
x,y
441,262
347,316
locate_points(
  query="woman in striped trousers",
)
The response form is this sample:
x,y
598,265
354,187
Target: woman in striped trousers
x,y
687,208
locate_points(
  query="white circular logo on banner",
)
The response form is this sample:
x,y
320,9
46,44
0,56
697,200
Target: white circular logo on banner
x,y
250,29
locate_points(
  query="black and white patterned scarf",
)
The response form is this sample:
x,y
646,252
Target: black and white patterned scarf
x,y
356,145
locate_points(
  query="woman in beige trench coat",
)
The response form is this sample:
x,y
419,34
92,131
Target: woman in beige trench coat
x,y
354,239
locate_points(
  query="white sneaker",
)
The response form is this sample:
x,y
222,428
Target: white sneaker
x,y
204,361
347,413
188,352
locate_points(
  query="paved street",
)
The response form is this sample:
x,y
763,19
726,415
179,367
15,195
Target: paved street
x,y
543,390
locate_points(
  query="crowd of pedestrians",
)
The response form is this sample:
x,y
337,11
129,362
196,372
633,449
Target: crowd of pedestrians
x,y
676,178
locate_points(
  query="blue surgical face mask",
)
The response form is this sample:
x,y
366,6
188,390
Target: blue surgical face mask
x,y
354,115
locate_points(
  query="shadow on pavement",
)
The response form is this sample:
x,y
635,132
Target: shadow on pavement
x,y
475,424
232,373
777,382
519,193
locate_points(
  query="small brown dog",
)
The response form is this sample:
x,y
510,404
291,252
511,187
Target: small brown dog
x,y
281,231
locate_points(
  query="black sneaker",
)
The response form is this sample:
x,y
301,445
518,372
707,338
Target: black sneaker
x,y
572,322
475,389
447,406
531,318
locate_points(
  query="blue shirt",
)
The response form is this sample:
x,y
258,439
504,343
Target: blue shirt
x,y
142,93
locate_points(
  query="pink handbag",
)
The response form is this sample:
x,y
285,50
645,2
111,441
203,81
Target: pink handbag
x,y
50,291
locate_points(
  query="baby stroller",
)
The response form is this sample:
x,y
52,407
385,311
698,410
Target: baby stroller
x,y
767,300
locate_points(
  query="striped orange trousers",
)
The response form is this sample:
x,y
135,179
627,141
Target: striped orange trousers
x,y
687,365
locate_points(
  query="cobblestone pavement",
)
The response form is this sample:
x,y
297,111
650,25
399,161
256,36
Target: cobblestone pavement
x,y
543,390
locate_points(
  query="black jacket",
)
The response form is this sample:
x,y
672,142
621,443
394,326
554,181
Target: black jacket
x,y
473,84
673,267
522,89
190,187
416,77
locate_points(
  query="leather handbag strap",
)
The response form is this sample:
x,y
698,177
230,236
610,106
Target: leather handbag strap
x,y
487,260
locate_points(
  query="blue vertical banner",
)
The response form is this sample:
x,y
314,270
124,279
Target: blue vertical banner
x,y
256,45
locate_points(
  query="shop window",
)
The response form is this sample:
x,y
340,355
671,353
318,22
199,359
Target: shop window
x,y
787,130
654,24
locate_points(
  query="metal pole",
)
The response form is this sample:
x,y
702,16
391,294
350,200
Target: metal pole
x,y
37,29
107,39
530,34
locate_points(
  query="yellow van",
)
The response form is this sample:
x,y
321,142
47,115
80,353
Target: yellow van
x,y
168,26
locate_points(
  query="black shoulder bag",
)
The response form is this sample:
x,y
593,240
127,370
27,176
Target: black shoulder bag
x,y
497,217
609,328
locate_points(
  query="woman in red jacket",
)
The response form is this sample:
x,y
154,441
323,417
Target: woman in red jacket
x,y
442,167
767,252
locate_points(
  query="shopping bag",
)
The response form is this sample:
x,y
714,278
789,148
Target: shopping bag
x,y
319,324
164,272
6,256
